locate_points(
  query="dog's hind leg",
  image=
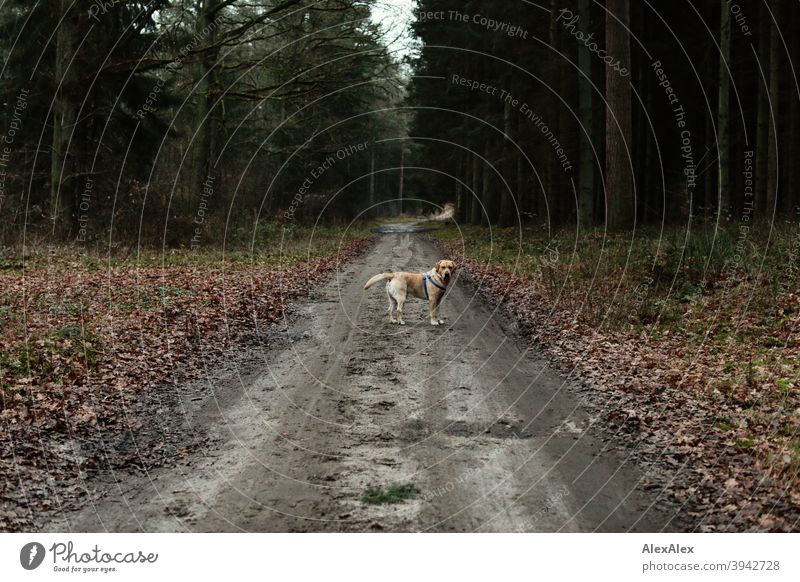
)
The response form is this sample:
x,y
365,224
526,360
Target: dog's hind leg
x,y
400,301
392,303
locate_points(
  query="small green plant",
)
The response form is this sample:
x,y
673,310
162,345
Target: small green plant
x,y
724,426
745,443
687,292
26,360
69,331
81,344
774,342
396,493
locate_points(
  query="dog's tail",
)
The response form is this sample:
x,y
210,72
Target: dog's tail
x,y
376,278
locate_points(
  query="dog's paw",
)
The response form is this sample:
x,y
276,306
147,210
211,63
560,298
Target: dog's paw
x,y
441,322
401,322
393,320
433,322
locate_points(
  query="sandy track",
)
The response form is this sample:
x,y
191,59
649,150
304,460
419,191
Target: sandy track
x,y
493,439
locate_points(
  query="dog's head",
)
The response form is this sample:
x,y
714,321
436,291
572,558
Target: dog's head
x,y
445,268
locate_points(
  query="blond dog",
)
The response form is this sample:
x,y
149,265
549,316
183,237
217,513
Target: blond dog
x,y
431,286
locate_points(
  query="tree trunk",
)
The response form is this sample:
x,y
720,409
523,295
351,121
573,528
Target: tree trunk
x,y
507,168
524,193
586,163
475,215
486,216
400,193
709,189
620,207
723,107
775,98
792,197
650,167
553,193
567,204
372,200
207,118
62,196
762,125
459,186
709,157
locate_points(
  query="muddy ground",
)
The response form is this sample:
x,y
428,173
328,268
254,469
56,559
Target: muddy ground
x,y
289,434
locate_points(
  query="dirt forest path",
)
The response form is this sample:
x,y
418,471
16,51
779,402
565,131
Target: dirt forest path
x,y
492,438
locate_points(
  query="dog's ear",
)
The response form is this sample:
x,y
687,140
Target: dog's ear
x,y
438,265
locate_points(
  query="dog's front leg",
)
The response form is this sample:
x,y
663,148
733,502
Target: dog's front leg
x,y
433,307
435,314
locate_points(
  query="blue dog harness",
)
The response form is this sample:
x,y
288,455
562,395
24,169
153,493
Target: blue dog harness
x,y
425,279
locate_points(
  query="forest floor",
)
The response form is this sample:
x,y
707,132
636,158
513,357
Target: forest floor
x,y
687,349
271,393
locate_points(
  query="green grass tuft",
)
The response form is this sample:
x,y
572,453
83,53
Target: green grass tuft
x,y
396,493
69,331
